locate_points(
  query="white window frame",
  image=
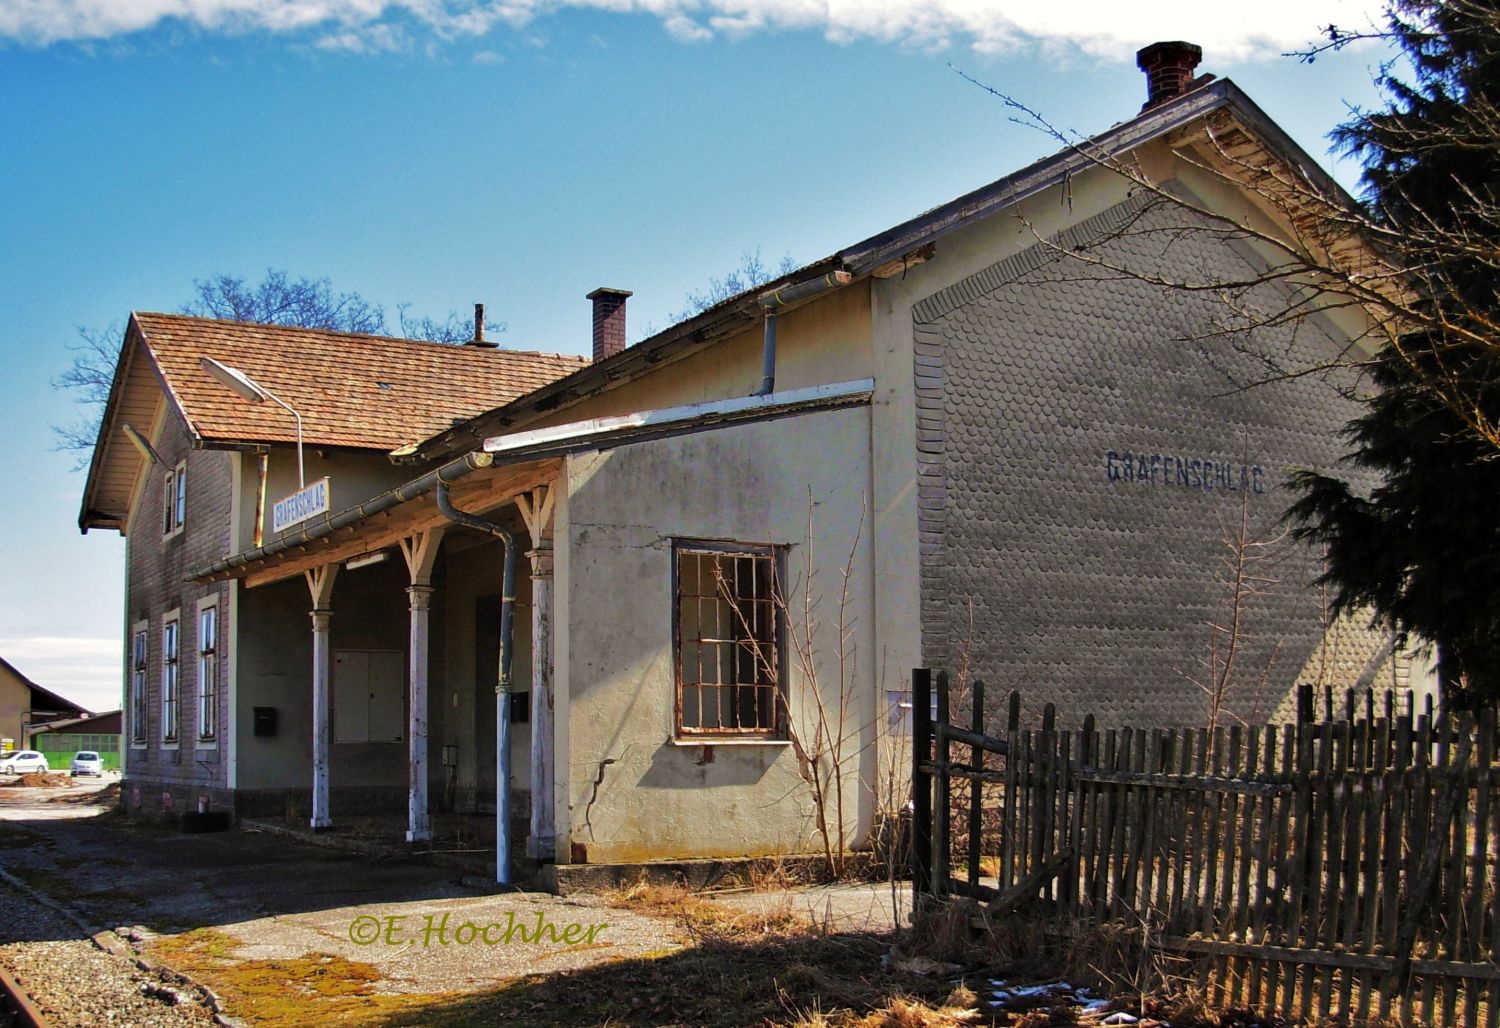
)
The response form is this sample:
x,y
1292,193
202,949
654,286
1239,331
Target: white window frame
x,y
171,679
208,673
140,659
174,501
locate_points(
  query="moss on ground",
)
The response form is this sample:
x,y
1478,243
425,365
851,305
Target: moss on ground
x,y
313,989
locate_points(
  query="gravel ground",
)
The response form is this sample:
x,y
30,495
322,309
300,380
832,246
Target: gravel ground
x,y
77,984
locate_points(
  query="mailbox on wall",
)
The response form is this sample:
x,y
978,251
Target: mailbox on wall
x,y
265,720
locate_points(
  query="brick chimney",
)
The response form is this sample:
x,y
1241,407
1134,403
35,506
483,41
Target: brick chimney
x,y
609,321
1169,70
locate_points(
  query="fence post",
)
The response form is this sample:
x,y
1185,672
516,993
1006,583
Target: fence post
x,y
1305,712
976,790
921,781
943,793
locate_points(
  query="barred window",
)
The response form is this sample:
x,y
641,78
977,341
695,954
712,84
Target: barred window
x,y
138,686
729,651
208,672
170,677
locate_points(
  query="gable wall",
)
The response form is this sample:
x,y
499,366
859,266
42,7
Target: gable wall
x,y
896,447
15,700
1043,565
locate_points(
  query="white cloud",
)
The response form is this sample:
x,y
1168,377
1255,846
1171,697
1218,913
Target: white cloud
x,y
86,671
1098,28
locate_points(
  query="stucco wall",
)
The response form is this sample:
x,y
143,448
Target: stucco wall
x,y
352,477
824,342
15,701
632,794
275,670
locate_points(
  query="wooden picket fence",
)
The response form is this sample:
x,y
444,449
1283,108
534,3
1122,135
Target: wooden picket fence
x,y
1341,868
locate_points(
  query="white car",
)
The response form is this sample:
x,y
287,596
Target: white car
x,y
23,762
87,762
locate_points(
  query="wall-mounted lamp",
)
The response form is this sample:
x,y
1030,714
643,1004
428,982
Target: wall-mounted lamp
x,y
250,389
139,442
355,563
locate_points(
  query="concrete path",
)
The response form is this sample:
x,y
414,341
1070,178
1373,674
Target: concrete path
x,y
274,899
342,938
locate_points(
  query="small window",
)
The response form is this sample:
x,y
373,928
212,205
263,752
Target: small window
x,y
174,500
729,650
208,672
138,684
170,680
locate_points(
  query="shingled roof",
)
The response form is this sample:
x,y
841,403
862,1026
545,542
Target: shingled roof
x,y
353,391
366,392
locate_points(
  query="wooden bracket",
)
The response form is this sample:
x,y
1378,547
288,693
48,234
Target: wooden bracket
x,y
320,584
420,550
537,512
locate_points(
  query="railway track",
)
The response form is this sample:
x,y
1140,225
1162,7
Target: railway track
x,y
17,1009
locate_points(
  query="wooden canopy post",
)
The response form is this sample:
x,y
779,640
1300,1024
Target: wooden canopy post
x,y
536,511
420,551
320,584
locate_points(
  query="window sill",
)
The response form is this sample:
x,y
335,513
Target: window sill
x,y
695,744
171,744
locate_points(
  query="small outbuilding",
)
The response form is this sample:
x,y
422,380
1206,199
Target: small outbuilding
x,y
24,705
58,741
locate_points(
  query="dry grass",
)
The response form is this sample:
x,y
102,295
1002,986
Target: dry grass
x,y
701,918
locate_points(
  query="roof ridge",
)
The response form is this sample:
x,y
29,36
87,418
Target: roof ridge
x,y
403,340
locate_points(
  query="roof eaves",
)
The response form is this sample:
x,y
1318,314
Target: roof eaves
x,y
863,257
48,693
17,672
1036,177
721,319
135,336
558,441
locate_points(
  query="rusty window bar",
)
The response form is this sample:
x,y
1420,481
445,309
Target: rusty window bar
x,y
728,644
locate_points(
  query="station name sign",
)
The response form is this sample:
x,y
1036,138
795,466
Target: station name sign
x,y
1201,473
307,502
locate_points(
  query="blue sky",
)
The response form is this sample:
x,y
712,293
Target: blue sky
x,y
520,153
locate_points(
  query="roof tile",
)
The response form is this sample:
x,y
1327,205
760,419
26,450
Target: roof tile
x,y
367,392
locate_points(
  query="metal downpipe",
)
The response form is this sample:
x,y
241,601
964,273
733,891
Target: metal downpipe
x,y
774,300
502,687
768,357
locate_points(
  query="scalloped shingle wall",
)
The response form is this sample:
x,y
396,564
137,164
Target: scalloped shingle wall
x,y
1057,564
